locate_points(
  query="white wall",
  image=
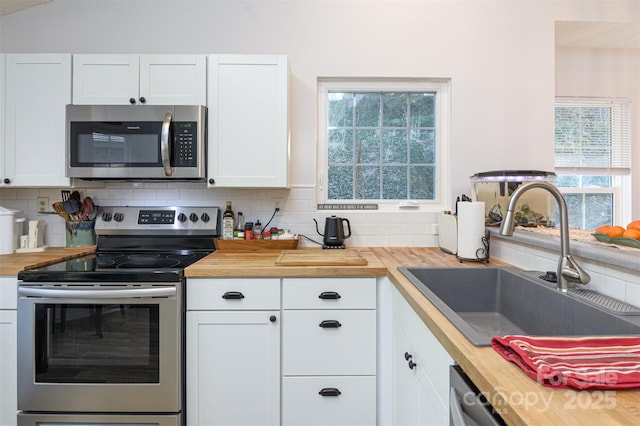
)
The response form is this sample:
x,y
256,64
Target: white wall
x,y
499,55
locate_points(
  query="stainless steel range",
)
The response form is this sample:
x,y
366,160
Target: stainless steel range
x,y
101,338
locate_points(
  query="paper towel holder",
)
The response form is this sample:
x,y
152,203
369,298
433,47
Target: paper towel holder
x,y
482,254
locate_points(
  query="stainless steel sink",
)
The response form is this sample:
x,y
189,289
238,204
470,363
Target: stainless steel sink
x,y
483,302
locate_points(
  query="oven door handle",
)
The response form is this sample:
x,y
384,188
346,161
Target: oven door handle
x,y
164,144
97,294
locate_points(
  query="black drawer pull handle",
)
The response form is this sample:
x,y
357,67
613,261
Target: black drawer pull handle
x,y
326,295
233,295
330,392
330,324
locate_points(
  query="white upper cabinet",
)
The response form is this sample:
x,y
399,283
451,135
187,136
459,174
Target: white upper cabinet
x,y
37,89
3,58
248,121
105,79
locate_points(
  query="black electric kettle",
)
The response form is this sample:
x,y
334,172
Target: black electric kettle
x,y
334,231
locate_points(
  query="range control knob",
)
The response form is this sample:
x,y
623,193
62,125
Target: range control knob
x,y
205,217
182,217
118,217
106,216
193,217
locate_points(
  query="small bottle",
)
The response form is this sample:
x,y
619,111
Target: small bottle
x,y
228,222
257,230
240,222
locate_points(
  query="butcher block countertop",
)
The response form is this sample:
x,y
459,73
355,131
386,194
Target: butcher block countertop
x,y
11,264
519,399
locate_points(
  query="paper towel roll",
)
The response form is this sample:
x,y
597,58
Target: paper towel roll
x,y
471,230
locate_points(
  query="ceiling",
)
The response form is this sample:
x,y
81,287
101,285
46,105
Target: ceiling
x,y
568,34
10,6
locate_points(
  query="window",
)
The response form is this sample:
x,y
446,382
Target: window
x,y
593,159
383,141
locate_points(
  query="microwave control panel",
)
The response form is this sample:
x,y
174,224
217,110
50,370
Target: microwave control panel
x,y
185,148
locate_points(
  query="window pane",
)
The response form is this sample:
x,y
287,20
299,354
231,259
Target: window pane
x,y
394,113
340,146
367,146
394,182
423,110
368,182
568,181
575,206
599,210
423,147
423,183
367,109
596,181
394,146
340,185
340,109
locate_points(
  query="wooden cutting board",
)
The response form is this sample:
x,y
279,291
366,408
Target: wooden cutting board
x,y
329,257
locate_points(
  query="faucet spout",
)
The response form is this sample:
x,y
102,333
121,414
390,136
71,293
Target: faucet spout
x,y
568,269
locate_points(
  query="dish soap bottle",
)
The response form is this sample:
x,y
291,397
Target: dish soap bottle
x,y
227,223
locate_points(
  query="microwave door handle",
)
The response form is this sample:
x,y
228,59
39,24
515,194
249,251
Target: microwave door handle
x,y
97,294
165,152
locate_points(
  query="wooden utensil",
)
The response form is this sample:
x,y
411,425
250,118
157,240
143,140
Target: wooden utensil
x,y
58,208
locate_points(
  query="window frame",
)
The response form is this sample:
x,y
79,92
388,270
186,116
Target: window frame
x,y
442,89
620,188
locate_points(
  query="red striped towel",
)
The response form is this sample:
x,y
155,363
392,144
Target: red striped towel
x,y
575,362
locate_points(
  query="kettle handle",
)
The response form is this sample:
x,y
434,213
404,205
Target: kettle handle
x,y
348,227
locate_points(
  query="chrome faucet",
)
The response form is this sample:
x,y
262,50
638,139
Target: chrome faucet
x,y
568,269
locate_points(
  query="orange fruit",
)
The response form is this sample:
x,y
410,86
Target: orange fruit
x,y
632,233
616,231
634,225
604,229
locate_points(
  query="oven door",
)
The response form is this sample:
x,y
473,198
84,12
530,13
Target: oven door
x,y
109,347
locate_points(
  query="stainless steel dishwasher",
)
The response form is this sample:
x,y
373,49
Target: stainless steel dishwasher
x,y
467,406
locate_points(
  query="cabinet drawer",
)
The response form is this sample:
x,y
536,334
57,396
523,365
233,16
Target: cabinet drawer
x,y
345,344
329,293
233,294
304,405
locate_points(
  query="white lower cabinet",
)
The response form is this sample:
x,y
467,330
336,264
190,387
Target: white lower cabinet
x,y
315,400
329,351
233,351
420,370
8,350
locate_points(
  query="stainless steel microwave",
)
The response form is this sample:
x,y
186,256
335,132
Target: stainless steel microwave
x,y
136,142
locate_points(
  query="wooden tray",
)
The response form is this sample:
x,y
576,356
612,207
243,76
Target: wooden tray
x,y
329,257
253,245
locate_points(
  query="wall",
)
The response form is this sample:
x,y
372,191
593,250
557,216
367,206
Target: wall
x,y
499,56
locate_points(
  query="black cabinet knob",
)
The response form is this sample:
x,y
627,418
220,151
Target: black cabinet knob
x,y
132,101
212,181
142,99
233,295
412,365
330,392
7,181
407,356
330,324
272,318
327,295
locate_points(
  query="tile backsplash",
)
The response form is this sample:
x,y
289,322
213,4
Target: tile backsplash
x,y
297,210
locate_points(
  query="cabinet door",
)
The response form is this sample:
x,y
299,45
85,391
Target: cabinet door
x,y
105,79
329,400
233,368
38,87
334,342
173,79
248,121
405,384
8,366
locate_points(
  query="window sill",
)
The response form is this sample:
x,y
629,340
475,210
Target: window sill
x,y
610,254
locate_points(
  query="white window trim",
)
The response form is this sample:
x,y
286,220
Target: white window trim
x,y
442,87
